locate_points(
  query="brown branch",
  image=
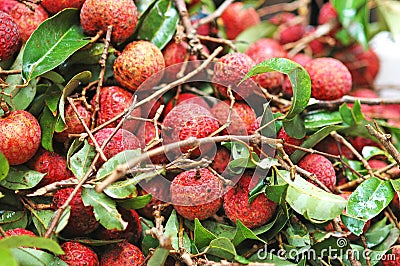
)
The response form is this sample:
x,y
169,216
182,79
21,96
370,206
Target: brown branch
x,y
10,72
288,7
54,186
385,140
216,14
350,99
218,40
364,242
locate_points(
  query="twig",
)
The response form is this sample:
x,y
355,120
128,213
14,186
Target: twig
x,y
367,257
288,7
216,14
350,99
10,72
392,217
54,186
230,43
158,230
385,140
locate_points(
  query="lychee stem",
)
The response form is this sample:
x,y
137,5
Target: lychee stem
x,y
4,106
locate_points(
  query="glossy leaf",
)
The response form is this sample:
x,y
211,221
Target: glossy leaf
x,y
80,162
31,241
7,258
202,236
13,219
52,42
351,116
219,229
390,12
159,257
223,248
264,29
159,24
243,233
370,151
390,240
121,158
43,218
319,119
104,208
47,123
121,190
4,167
34,257
353,224
136,202
295,127
172,229
378,232
21,177
53,77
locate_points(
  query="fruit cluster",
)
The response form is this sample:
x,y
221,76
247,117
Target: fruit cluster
x,y
160,116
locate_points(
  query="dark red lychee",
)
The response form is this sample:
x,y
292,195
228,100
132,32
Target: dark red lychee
x,y
122,15
359,142
331,146
20,136
327,13
321,167
196,193
78,254
10,38
187,98
290,28
55,6
289,140
237,206
138,61
330,78
123,253
19,232
81,220
221,159
159,188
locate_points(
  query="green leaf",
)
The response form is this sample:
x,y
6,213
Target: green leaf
x,y
319,119
354,224
351,116
4,167
159,24
219,229
266,118
142,6
309,200
223,248
31,241
52,42
21,177
390,240
243,233
90,56
390,12
295,127
370,151
298,77
159,257
7,259
172,229
53,77
353,15
264,29
202,236
33,257
47,123
378,232
370,198
122,189
135,203
52,97
104,208
80,162
148,241
13,219
43,218
121,158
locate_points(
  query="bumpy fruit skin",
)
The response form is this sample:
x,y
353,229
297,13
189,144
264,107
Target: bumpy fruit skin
x,y
7,5
237,18
81,220
221,159
242,116
147,135
133,230
20,136
392,259
98,15
196,194
229,70
327,13
288,139
51,163
321,167
9,37
55,6
187,98
78,254
113,101
19,232
262,50
137,62
27,19
189,120
331,146
330,78
237,206
121,254
288,31
159,189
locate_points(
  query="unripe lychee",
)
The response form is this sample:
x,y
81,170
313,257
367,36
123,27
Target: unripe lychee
x,y
330,78
122,15
55,6
237,18
20,136
196,194
229,70
76,253
123,253
187,98
137,62
237,206
10,38
321,167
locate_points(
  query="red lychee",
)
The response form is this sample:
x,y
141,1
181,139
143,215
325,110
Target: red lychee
x,y
76,253
392,259
139,61
359,142
123,253
55,6
221,159
290,140
321,167
330,78
331,146
290,29
147,135
369,111
237,18
51,163
160,191
122,15
187,98
302,59
196,193
229,70
327,13
20,136
7,5
81,220
242,116
237,206
18,232
28,19
10,38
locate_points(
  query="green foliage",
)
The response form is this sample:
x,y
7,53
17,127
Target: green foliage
x,y
80,162
21,177
4,167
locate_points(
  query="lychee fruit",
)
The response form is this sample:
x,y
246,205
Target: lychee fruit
x,y
52,164
327,13
322,168
20,136
290,140
139,61
302,59
331,146
189,120
238,207
330,78
229,70
147,135
81,220
221,159
187,98
196,193
360,142
369,111
19,232
123,253
262,50
237,18
290,29
10,38
122,15
7,5
132,232
55,6
28,19
392,259
76,253
241,116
